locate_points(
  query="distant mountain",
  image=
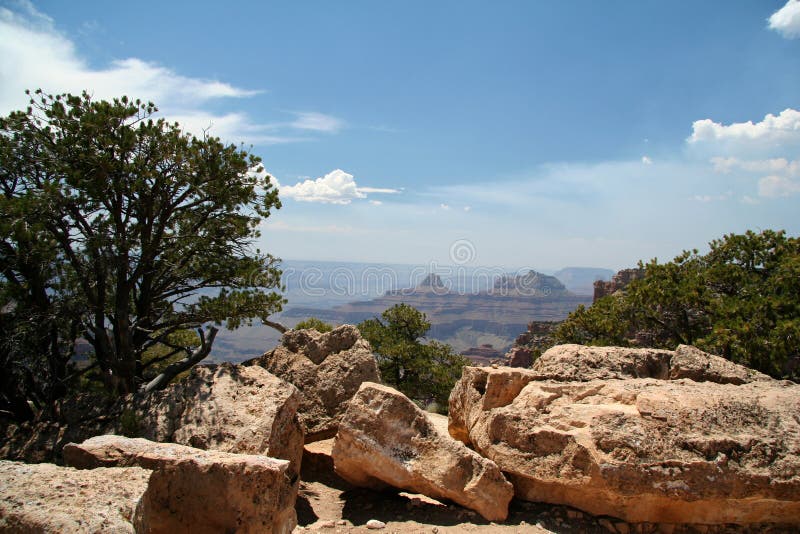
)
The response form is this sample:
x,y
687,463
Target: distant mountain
x,y
468,307
495,315
581,280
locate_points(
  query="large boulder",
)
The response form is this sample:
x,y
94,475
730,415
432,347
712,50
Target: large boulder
x,y
577,362
327,369
49,498
192,490
641,449
385,440
228,408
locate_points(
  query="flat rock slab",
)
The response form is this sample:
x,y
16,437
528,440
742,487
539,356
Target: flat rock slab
x,y
644,450
327,368
228,408
385,440
49,498
192,490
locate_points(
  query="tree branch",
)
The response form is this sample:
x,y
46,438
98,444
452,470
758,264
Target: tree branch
x,y
174,369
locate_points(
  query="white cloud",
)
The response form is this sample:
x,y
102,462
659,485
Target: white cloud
x,y
317,122
336,187
34,54
778,186
774,128
376,202
786,20
467,208
646,160
444,206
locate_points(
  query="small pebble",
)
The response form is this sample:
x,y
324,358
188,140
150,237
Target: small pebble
x,y
374,524
327,524
341,522
435,530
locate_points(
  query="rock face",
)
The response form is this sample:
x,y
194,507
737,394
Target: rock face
x,y
663,448
519,357
386,440
228,408
192,490
327,369
48,498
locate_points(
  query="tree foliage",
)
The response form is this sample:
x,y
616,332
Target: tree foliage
x,y
112,224
424,372
741,300
316,324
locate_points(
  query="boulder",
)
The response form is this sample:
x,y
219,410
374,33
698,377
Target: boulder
x,y
228,408
694,364
578,362
49,498
641,449
385,440
192,490
327,369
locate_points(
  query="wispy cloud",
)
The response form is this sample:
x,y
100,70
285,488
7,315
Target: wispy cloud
x,y
316,122
385,190
728,165
786,20
778,186
34,54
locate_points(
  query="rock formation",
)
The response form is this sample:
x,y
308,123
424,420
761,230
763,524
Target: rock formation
x,y
618,282
198,491
529,284
643,435
386,440
519,357
48,498
327,369
227,408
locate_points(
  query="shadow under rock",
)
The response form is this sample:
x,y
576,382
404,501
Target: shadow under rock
x,y
305,512
361,505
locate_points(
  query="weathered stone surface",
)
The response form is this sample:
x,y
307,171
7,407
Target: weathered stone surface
x,y
228,408
327,369
386,440
578,362
644,450
480,389
192,490
582,363
48,498
694,364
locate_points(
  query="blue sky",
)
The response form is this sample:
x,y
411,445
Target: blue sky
x,y
544,134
